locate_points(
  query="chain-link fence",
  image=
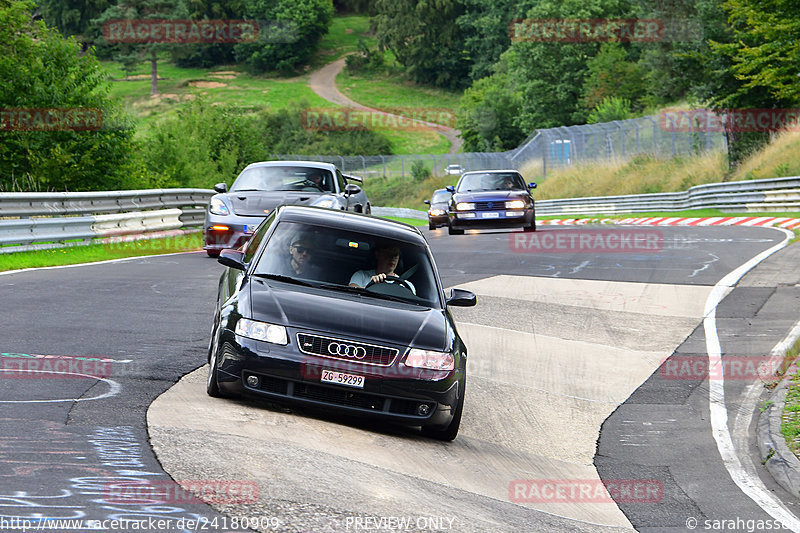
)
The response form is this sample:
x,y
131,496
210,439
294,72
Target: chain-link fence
x,y
548,149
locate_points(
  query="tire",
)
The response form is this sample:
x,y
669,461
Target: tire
x,y
532,227
431,226
212,253
212,385
452,231
368,210
449,433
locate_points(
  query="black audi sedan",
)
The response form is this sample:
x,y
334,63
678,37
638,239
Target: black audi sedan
x,y
232,216
437,208
303,317
491,199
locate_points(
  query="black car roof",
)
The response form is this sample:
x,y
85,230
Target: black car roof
x,y
380,227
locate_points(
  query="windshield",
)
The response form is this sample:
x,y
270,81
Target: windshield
x,y
440,197
491,181
345,261
288,178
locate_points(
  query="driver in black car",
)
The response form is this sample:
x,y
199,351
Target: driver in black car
x,y
386,259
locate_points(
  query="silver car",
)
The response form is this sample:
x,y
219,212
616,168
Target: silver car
x,y
233,215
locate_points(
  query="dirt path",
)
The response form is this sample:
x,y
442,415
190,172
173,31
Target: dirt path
x,y
323,82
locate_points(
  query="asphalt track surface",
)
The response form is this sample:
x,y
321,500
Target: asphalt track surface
x,y
68,442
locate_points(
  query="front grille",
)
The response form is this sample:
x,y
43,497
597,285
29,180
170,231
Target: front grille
x,y
355,352
490,206
340,397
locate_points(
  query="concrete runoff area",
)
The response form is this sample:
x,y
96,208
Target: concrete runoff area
x,y
537,395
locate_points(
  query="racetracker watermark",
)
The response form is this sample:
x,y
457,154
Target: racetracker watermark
x,y
396,118
594,241
399,523
181,492
586,30
586,491
126,245
729,120
729,367
28,366
141,31
51,119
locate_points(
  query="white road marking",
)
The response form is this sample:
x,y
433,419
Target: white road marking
x,y
114,388
751,486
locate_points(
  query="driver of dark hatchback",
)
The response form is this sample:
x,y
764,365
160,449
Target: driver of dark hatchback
x,y
386,259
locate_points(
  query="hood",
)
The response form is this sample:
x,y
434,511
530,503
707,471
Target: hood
x,y
355,318
259,203
488,196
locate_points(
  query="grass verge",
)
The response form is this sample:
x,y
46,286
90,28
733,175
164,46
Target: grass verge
x,y
790,419
72,255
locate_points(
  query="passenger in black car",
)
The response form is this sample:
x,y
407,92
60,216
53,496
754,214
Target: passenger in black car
x,y
298,262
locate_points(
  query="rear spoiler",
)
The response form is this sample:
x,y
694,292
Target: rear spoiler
x,y
353,178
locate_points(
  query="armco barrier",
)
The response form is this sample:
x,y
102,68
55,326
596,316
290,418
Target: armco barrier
x,y
753,196
47,220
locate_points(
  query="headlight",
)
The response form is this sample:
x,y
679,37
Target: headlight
x,y
515,204
261,331
465,206
218,207
325,202
429,359
438,212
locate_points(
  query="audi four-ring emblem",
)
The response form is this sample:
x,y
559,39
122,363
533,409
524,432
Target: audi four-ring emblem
x,y
347,350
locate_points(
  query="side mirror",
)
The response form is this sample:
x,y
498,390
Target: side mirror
x,y
450,188
532,185
221,187
461,298
426,202
350,189
232,259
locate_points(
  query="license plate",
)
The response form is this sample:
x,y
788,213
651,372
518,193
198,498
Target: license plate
x,y
340,378
248,229
491,215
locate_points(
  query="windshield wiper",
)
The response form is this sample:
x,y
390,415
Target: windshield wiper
x,y
286,279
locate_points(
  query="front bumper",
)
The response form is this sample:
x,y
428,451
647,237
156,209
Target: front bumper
x,y
506,218
287,375
438,220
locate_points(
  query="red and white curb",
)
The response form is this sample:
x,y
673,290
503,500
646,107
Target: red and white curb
x,y
777,222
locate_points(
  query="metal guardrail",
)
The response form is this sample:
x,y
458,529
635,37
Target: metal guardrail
x,y
34,221
768,195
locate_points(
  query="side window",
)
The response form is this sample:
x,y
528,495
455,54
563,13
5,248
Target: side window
x,y
340,180
251,246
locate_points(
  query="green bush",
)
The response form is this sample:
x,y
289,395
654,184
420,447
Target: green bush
x,y
419,171
611,108
204,144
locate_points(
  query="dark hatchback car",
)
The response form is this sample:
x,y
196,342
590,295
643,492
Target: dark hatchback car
x,y
233,215
304,334
437,208
491,199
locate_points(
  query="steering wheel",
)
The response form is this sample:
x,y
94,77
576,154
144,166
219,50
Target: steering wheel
x,y
400,281
309,183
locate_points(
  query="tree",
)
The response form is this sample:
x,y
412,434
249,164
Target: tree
x,y
207,55
73,17
41,70
291,32
486,116
549,76
767,53
485,29
131,54
611,74
425,39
